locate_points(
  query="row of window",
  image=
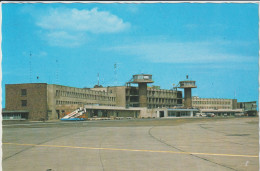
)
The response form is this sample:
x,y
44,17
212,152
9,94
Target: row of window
x,y
84,95
161,100
215,107
152,100
162,93
59,102
179,114
211,99
150,106
153,93
212,102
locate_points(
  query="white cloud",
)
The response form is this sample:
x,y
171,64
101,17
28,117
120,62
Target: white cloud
x,y
65,39
133,8
82,20
69,27
185,52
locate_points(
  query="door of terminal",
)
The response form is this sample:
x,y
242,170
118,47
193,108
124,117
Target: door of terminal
x,y
161,114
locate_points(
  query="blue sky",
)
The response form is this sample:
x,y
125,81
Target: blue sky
x,y
215,44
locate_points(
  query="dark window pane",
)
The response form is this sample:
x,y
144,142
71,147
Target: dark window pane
x,y
24,102
23,92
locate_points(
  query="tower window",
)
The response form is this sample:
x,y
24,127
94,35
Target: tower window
x,y
23,92
24,102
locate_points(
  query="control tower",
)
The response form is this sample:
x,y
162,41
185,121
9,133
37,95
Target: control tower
x,y
187,86
142,80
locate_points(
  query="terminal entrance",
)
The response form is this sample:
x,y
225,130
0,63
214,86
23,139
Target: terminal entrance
x,y
182,112
161,114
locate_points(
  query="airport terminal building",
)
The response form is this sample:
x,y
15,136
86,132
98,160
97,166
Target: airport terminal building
x,y
42,101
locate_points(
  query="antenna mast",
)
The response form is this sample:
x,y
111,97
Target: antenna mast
x,y
30,65
115,73
57,71
98,78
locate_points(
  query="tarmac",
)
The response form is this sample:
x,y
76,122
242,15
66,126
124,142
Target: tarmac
x,y
182,144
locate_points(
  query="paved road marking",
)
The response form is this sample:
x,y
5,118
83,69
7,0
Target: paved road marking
x,y
51,123
30,124
118,149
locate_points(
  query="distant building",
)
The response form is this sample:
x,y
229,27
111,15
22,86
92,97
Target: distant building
x,y
250,108
221,107
213,103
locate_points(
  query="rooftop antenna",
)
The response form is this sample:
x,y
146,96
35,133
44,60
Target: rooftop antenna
x,y
30,63
115,72
98,79
57,71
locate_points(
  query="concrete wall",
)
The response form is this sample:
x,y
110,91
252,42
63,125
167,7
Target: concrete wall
x,y
147,113
187,98
36,98
120,93
234,103
142,94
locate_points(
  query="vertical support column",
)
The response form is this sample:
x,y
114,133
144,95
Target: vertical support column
x,y
158,114
187,98
166,113
142,94
191,113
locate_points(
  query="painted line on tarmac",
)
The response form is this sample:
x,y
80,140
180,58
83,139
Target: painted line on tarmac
x,y
134,150
41,124
29,124
65,122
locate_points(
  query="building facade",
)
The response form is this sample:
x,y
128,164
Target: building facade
x,y
128,96
213,103
29,101
250,108
41,101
